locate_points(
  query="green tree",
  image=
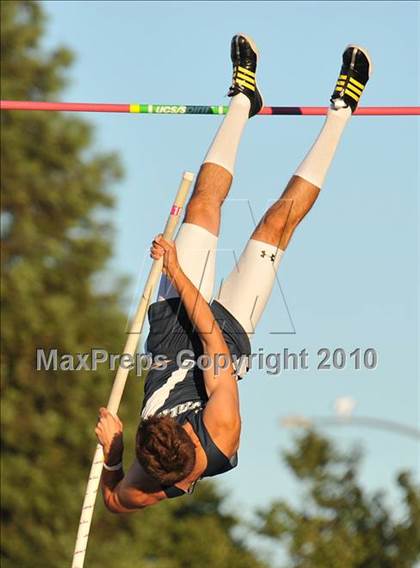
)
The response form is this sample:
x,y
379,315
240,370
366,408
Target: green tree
x,y
340,525
56,242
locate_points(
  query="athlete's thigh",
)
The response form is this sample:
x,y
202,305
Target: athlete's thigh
x,y
196,249
247,289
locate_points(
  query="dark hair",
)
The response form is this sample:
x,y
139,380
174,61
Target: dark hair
x,y
164,449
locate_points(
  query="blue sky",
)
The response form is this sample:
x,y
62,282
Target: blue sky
x,y
349,277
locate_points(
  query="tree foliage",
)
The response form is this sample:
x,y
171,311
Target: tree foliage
x,y
340,525
56,242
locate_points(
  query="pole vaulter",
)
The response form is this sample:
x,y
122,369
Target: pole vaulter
x,y
190,421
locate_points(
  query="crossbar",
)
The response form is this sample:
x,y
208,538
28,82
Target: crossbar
x,y
135,108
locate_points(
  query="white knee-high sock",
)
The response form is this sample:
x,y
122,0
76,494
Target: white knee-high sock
x,y
316,163
226,142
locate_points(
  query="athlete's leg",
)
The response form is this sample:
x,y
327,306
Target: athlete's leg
x,y
216,174
246,291
197,238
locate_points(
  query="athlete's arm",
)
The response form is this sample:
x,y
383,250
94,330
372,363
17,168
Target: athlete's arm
x,y
135,491
221,414
197,308
122,493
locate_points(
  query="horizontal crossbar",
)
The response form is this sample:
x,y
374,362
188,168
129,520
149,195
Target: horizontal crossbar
x,y
197,109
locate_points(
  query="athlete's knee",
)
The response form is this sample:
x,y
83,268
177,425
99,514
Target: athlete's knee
x,y
204,203
272,226
213,183
204,209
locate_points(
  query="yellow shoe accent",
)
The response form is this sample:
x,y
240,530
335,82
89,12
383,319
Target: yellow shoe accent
x,y
342,77
354,89
245,84
352,95
245,77
360,85
246,71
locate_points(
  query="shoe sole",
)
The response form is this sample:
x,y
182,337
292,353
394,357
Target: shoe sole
x,y
256,51
365,52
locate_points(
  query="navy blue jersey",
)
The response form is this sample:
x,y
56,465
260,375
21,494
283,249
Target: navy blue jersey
x,y
176,386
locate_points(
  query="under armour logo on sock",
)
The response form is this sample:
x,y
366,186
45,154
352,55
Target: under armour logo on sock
x,y
272,256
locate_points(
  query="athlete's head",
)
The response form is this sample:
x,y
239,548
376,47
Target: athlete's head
x,y
164,449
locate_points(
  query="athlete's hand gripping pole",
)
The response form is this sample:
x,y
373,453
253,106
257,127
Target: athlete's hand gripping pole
x,y
122,373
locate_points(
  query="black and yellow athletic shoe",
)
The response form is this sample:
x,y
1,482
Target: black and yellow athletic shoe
x,y
355,72
244,56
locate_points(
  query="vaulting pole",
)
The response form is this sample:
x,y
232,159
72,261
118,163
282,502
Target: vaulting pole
x,y
197,109
122,373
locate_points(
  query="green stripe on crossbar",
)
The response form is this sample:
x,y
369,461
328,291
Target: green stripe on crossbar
x,y
178,109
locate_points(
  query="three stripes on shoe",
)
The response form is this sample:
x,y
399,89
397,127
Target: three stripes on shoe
x,y
350,87
244,77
